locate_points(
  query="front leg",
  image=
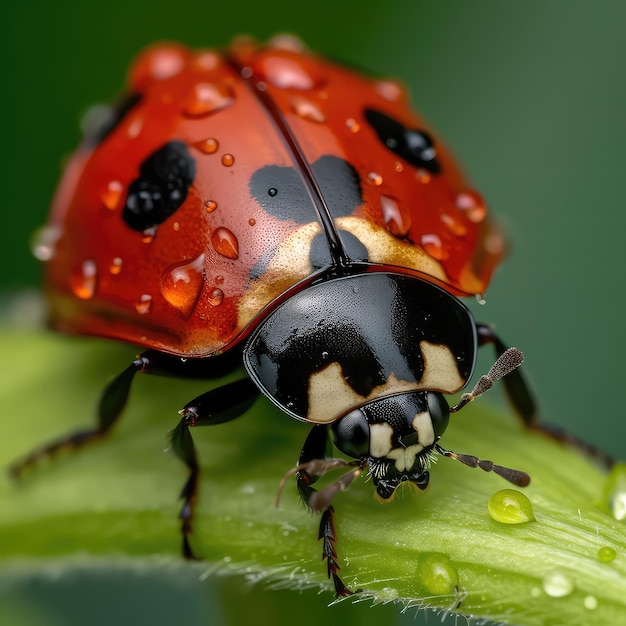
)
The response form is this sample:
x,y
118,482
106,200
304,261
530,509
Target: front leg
x,y
314,451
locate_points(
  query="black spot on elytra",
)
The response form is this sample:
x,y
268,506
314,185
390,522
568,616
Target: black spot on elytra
x,y
161,188
281,192
413,145
319,254
107,119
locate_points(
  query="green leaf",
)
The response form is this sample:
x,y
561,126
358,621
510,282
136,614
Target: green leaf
x,y
116,500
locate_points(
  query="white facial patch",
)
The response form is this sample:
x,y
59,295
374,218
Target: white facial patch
x,y
423,425
382,446
381,440
405,457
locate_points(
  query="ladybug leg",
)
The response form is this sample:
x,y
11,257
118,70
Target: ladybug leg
x,y
115,396
217,406
110,407
521,397
315,448
515,383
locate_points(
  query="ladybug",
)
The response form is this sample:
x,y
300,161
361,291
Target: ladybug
x,y
266,207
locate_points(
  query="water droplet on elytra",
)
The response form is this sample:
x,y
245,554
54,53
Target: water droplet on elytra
x,y
398,166
396,221
228,160
606,554
352,125
208,146
472,205
287,70
375,179
116,266
307,110
252,221
158,63
423,176
147,236
181,283
272,191
210,206
144,305
287,42
225,243
432,244
557,584
216,297
436,574
389,90
456,227
509,506
83,280
112,195
135,128
207,60
207,98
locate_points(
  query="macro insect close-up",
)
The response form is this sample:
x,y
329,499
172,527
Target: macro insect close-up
x,y
290,233
265,206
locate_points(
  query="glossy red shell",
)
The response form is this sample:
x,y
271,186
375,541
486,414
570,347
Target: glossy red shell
x,y
188,285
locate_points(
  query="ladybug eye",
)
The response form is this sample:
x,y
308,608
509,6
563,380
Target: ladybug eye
x,y
351,434
439,412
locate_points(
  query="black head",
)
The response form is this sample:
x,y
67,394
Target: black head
x,y
395,436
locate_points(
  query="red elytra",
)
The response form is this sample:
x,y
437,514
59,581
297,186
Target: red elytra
x,y
195,283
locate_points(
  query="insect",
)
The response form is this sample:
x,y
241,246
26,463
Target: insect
x,y
263,206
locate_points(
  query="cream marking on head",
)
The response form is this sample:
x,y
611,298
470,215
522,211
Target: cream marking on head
x,y
405,457
423,425
381,440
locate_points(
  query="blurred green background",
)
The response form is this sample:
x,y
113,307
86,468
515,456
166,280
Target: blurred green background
x,y
530,95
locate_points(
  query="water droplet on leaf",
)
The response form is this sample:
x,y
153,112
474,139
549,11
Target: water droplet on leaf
x,y
437,574
614,492
606,554
509,506
557,584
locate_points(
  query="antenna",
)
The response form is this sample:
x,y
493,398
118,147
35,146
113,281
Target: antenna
x,y
508,361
